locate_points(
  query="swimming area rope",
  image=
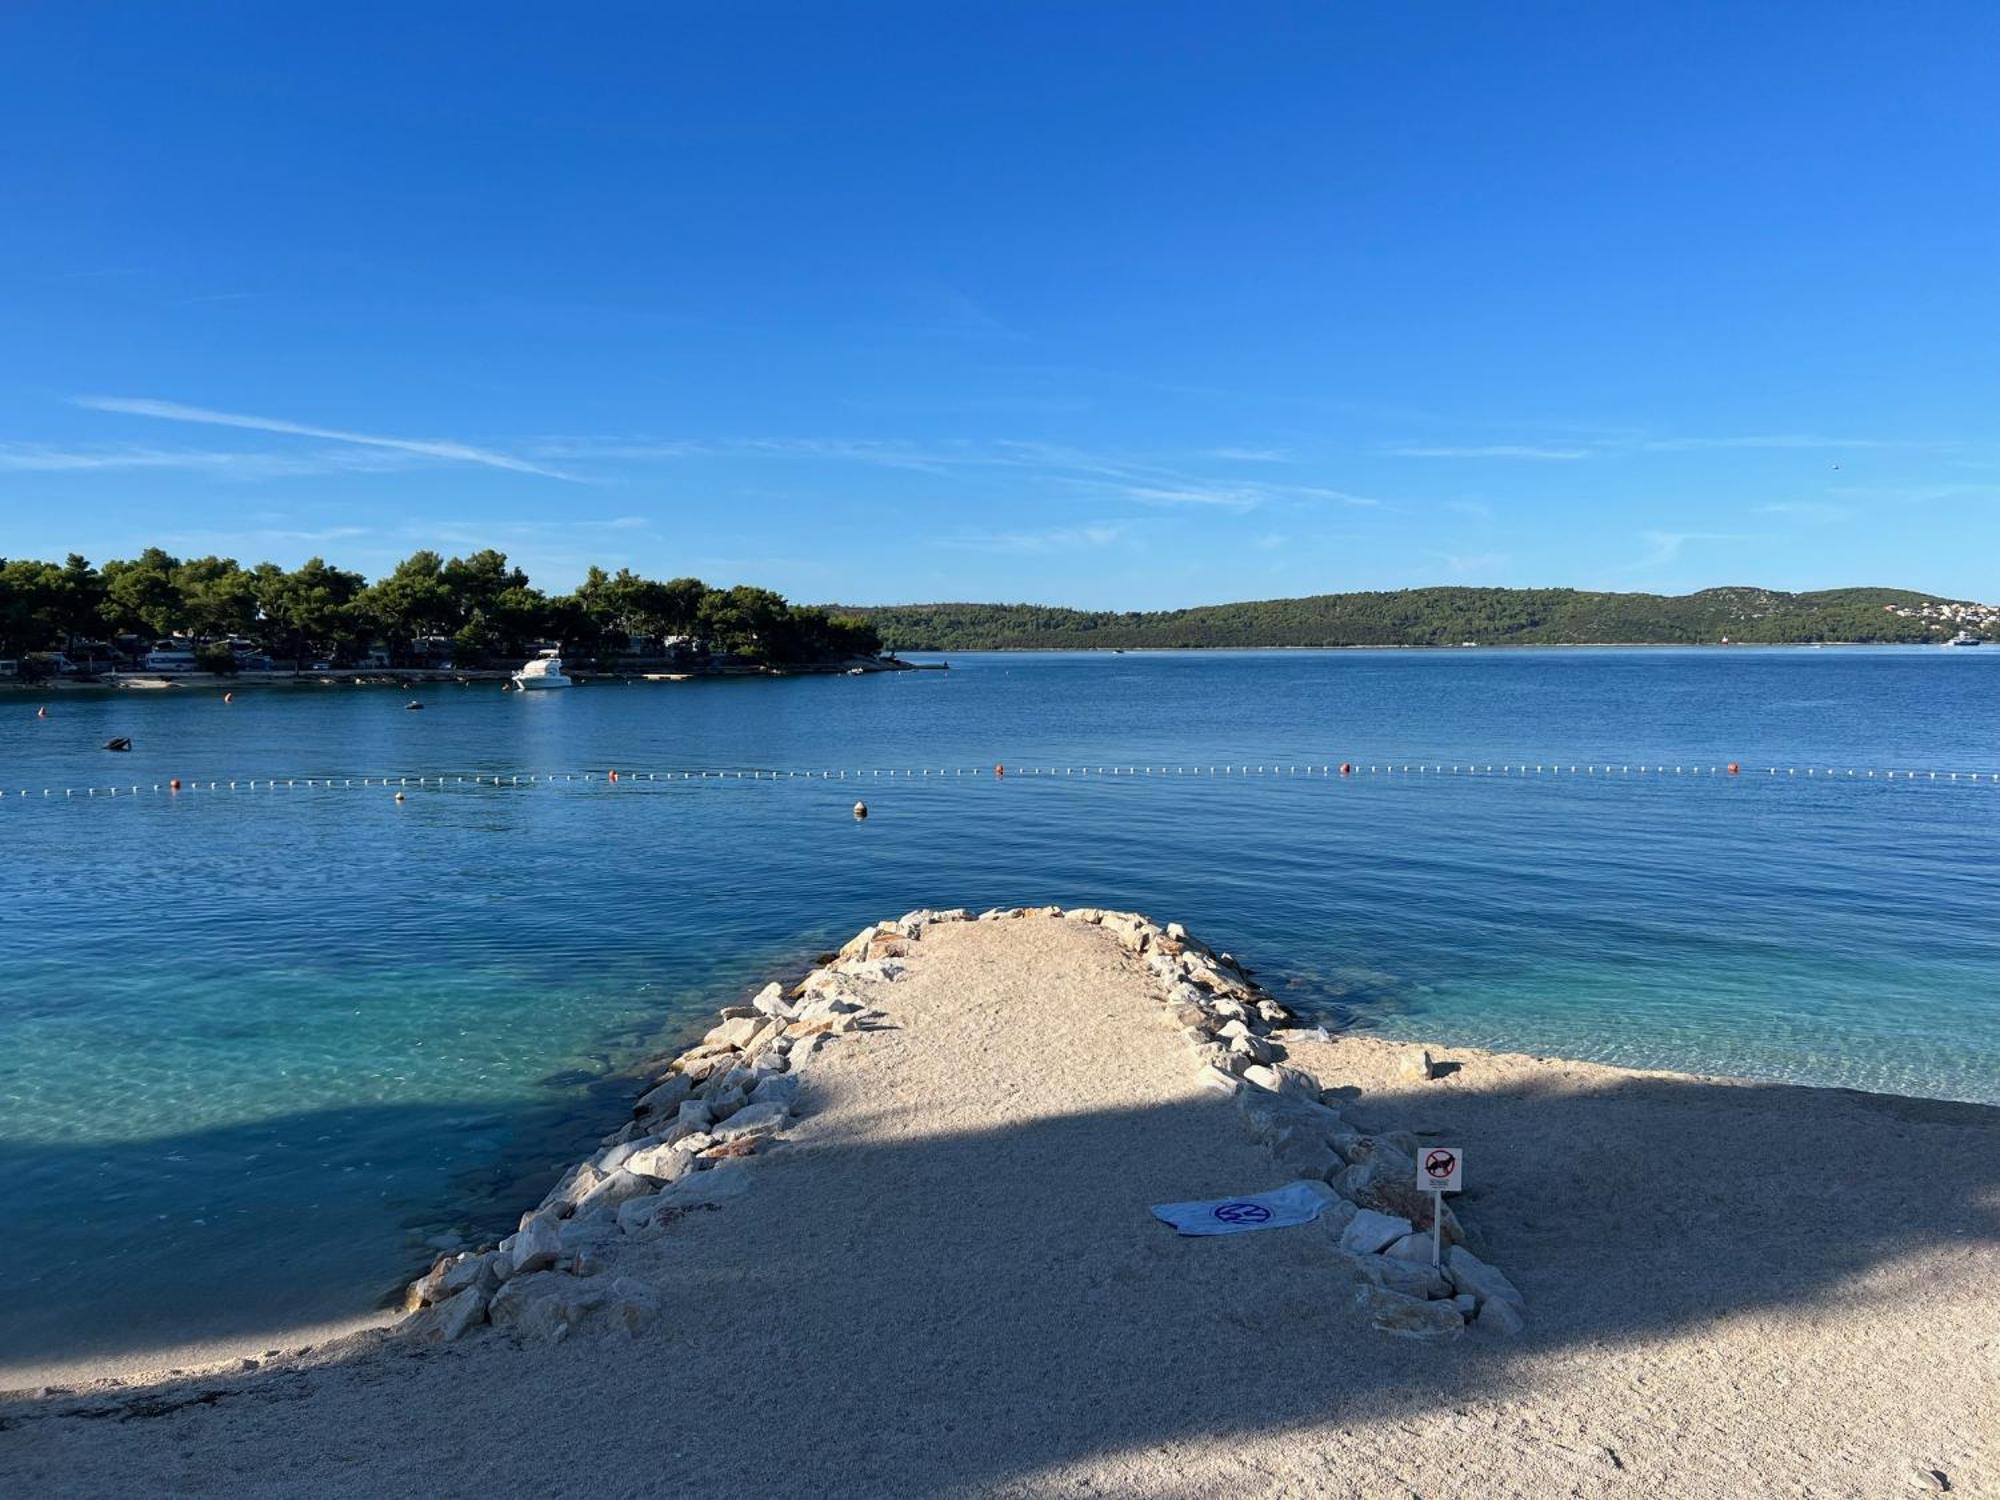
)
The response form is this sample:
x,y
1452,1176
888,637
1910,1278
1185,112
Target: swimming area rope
x,y
1344,771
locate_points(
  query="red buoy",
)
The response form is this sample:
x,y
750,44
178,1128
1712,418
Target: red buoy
x,y
999,770
1346,768
174,785
613,775
1734,768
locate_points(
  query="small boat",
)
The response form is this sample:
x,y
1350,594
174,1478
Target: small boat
x,y
857,671
413,704
545,671
1963,638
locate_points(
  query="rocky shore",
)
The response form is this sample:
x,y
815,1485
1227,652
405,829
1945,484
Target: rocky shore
x,y
733,1095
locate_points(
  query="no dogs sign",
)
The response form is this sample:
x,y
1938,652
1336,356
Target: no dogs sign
x,y
1439,1168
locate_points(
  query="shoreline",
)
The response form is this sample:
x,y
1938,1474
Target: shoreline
x,y
928,1178
429,676
685,1101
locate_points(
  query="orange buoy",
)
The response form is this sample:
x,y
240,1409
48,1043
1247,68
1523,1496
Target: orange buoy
x,y
999,770
613,775
1734,768
1346,768
174,785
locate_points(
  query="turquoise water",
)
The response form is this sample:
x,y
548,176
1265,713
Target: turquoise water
x,y
256,1047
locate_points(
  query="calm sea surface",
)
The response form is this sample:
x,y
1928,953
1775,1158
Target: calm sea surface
x,y
256,1047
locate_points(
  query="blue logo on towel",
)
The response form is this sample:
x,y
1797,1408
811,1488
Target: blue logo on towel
x,y
1242,1213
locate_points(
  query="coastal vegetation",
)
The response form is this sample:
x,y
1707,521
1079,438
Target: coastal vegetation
x,y
1442,617
472,610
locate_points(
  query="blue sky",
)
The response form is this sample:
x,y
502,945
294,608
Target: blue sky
x,y
1119,305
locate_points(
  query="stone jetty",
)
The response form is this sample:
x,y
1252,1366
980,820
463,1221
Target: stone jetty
x,y
699,1126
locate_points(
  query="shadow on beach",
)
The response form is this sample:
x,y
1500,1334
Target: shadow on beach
x,y
967,1310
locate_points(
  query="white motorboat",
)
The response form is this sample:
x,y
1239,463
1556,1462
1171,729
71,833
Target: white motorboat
x,y
1963,638
545,671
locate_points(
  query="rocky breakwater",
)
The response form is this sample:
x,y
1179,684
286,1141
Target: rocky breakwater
x,y
695,1133
1377,1223
684,1151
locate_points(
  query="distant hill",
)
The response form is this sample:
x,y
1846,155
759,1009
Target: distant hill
x,y
1442,617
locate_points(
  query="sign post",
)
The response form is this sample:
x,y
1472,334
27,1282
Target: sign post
x,y
1438,1173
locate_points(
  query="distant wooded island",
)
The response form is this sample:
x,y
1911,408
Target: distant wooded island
x,y
1444,617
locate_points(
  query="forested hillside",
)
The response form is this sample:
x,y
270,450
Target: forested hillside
x,y
1438,617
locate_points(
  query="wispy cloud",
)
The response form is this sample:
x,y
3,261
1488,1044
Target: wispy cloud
x,y
1250,455
1139,479
441,449
1614,445
1784,440
1492,450
30,458
1061,539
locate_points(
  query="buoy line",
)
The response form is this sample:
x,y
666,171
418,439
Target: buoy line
x,y
1328,770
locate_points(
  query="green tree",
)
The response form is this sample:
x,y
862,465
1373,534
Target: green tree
x,y
141,595
218,597
309,612
412,601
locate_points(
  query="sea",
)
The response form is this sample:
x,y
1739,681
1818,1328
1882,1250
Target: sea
x,y
263,1049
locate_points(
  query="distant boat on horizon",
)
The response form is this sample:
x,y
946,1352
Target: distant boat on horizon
x,y
545,671
1963,638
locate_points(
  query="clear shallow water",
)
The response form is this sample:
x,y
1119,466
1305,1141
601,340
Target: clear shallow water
x,y
254,1047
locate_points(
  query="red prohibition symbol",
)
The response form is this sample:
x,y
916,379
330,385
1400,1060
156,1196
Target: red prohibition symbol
x,y
1440,1163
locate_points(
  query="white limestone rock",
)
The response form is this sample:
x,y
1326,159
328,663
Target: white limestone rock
x,y
777,1089
1408,1317
1402,1277
1498,1315
614,1190
544,1307
450,1320
1212,1077
664,1163
1471,1274
1372,1232
472,1272
1262,1076
753,1122
665,1098
885,969
536,1246
718,1185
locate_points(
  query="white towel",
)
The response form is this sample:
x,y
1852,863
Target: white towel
x,y
1281,1208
